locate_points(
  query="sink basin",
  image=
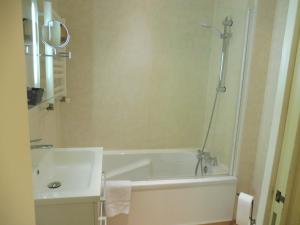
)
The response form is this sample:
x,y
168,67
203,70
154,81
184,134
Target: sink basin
x,y
67,174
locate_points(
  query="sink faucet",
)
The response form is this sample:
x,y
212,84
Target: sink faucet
x,y
42,146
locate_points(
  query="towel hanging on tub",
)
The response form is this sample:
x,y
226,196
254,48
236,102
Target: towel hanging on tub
x,y
117,197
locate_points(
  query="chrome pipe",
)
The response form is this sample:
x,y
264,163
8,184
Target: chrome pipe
x,y
226,35
41,146
36,140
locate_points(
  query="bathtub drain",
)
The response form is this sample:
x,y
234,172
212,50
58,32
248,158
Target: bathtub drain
x,y
53,185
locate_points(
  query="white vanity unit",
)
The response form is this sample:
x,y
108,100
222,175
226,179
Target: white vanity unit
x,y
67,185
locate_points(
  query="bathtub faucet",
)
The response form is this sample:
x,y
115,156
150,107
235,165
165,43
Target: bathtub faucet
x,y
206,157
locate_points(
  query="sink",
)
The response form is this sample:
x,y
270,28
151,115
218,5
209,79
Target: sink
x,y
67,174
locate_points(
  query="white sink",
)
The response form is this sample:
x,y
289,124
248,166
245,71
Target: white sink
x,y
78,170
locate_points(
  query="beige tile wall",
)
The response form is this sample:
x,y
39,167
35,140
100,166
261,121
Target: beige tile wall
x,y
138,74
45,124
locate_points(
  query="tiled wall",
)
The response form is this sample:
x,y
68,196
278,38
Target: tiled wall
x,y
45,124
138,76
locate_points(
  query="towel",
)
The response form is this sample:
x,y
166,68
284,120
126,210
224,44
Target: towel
x,y
244,209
117,197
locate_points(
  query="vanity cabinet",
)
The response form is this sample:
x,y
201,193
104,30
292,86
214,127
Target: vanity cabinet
x,y
75,201
67,214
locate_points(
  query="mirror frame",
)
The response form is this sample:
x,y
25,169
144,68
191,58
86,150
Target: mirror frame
x,y
57,46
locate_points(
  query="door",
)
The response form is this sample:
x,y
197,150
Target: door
x,y
293,207
289,151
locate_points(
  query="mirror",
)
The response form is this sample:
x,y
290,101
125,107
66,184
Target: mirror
x,y
55,34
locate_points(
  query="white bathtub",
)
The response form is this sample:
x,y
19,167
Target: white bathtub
x,y
165,191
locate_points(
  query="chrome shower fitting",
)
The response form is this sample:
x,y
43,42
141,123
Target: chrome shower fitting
x,y
225,36
207,26
221,88
227,23
205,161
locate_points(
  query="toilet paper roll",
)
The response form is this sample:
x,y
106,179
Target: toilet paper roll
x,y
244,209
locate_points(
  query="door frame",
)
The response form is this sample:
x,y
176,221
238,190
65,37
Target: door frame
x,y
281,197
279,114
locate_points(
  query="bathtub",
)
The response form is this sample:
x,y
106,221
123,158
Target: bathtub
x,y
165,190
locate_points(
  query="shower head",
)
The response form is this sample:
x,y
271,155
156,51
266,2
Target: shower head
x,y
227,23
207,26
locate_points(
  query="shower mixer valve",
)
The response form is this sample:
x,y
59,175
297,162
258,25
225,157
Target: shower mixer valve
x,y
207,158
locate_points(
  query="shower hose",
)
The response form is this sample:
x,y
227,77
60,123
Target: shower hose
x,y
201,151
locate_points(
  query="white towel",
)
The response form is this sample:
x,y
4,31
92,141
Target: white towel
x,y
117,197
244,209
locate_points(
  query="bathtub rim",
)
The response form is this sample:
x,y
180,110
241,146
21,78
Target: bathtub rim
x,y
182,183
148,151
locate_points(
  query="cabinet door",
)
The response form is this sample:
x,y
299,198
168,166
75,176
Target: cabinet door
x,y
66,214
